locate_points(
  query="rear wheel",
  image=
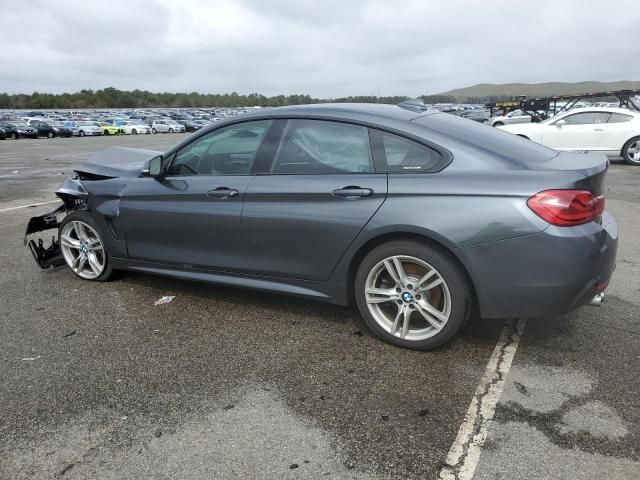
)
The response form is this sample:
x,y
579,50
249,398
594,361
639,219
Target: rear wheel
x,y
498,124
81,133
83,248
171,130
631,151
15,135
412,295
106,132
153,130
51,134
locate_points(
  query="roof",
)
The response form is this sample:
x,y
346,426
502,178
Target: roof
x,y
345,109
603,109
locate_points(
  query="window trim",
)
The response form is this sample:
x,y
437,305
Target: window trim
x,y
573,114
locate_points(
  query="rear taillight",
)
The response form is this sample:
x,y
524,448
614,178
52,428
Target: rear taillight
x,y
567,208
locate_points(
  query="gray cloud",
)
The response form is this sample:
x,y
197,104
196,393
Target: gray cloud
x,y
325,48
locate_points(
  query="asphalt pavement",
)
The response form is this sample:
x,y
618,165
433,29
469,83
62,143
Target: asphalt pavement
x,y
98,382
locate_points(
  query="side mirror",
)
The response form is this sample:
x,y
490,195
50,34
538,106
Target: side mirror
x,y
560,123
155,167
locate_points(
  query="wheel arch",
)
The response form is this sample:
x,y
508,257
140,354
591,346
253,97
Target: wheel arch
x,y
626,142
430,239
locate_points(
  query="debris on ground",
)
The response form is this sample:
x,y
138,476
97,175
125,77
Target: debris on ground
x,y
358,333
157,433
70,333
165,299
228,407
423,412
384,417
293,466
31,359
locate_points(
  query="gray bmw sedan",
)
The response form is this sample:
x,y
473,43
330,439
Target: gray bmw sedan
x,y
418,217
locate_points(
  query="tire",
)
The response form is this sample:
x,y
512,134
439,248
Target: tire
x,y
498,124
106,132
51,134
81,133
153,130
101,257
134,132
15,136
434,315
631,152
171,130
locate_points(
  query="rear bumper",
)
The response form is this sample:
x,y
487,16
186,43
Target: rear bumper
x,y
547,274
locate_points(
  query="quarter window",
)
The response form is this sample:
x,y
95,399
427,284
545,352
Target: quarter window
x,y
316,147
227,151
405,155
586,118
619,118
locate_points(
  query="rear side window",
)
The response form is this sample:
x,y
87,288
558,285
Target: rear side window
x,y
404,155
619,118
586,118
318,147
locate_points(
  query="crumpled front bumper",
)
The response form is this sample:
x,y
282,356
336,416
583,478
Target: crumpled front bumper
x,y
45,256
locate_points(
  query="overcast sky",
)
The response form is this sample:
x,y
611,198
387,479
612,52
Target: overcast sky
x,y
324,48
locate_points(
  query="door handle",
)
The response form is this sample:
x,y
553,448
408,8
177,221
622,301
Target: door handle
x,y
598,129
352,192
223,193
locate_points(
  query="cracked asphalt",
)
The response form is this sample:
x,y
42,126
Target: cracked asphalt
x,y
97,382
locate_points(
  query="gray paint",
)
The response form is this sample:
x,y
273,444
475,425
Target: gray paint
x,y
290,234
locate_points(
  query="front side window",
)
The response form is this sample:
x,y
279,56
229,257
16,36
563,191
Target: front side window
x,y
586,118
227,151
318,147
404,155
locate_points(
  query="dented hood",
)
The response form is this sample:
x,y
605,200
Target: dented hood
x,y
117,162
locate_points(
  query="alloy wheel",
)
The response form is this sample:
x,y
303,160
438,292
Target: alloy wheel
x,y
82,249
408,297
633,152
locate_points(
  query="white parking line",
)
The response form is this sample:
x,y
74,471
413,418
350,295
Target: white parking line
x,y
464,454
27,206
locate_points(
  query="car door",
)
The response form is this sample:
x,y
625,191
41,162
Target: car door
x,y
191,216
304,209
576,131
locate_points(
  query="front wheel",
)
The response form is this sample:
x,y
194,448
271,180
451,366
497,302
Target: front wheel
x,y
14,135
412,295
171,130
498,124
631,151
81,133
134,132
83,248
153,130
51,134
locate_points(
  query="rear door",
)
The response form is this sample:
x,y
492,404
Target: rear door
x,y
305,208
580,131
191,216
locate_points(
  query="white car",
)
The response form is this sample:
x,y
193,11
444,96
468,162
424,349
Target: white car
x,y
83,128
612,131
133,128
166,126
517,116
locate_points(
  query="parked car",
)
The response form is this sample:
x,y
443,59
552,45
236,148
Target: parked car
x,y
191,125
43,128
481,116
517,116
18,129
420,218
612,131
133,128
61,130
108,129
83,127
166,126
3,134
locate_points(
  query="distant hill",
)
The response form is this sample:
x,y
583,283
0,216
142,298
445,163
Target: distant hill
x,y
533,90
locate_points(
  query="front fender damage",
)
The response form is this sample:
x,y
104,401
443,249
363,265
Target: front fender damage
x,y
73,196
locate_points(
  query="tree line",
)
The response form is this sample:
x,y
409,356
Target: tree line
x,y
113,98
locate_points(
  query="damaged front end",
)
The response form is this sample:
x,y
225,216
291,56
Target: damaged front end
x,y
73,196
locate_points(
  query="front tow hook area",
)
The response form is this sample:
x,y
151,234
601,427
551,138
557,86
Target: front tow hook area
x,y
597,300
